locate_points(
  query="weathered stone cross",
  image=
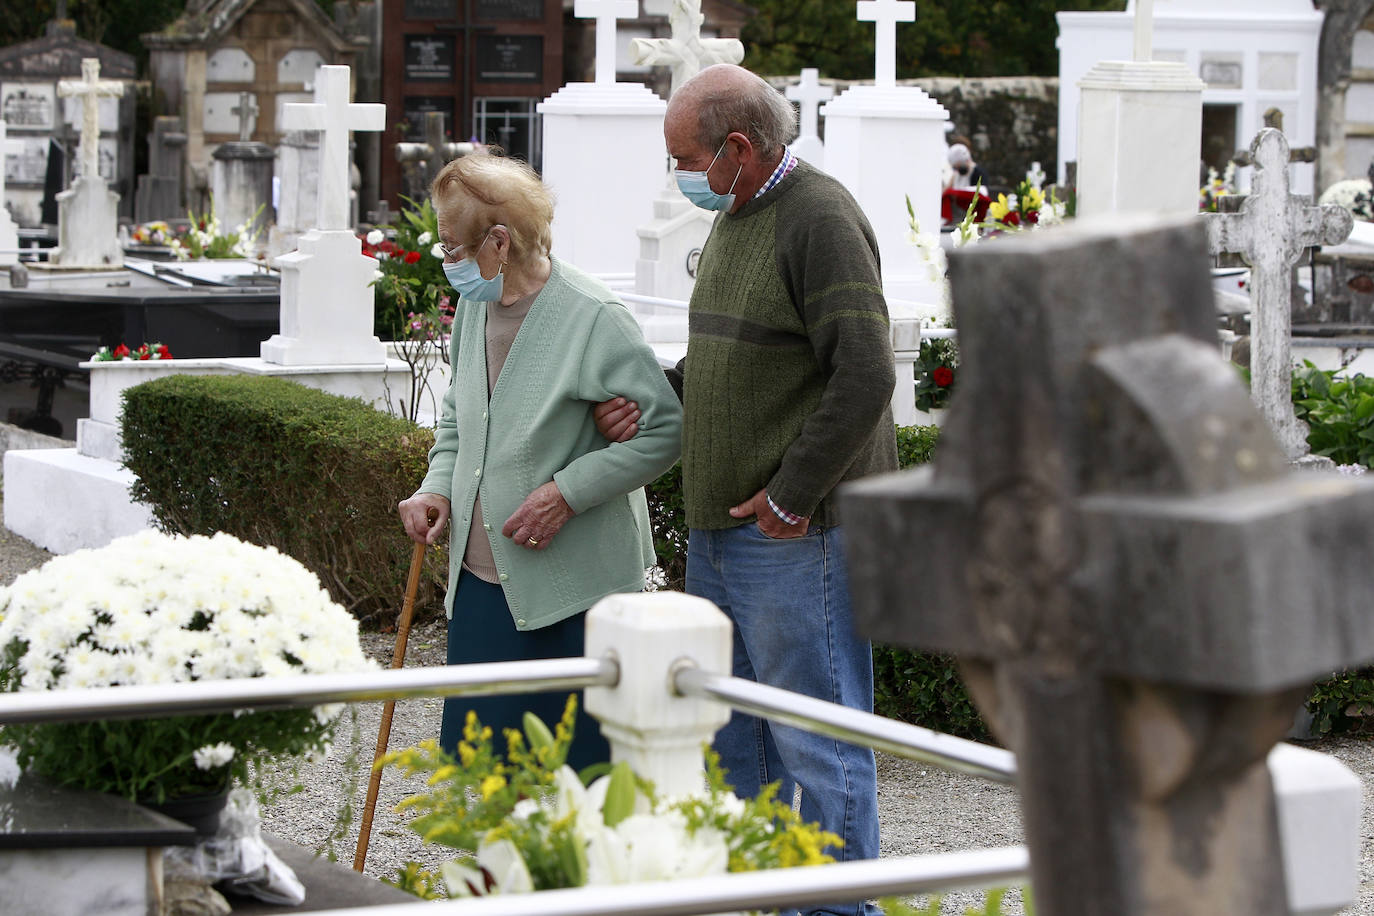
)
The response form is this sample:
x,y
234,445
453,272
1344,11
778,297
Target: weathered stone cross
x,y
1270,233
333,115
90,89
886,14
1138,590
247,111
605,12
686,51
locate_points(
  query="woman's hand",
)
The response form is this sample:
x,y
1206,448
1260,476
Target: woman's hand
x,y
416,513
616,419
538,519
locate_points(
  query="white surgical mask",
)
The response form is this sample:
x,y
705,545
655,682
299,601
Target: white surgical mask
x,y
696,186
467,280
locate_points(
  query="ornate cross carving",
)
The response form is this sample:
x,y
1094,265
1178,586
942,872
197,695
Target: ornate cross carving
x,y
90,89
686,51
247,111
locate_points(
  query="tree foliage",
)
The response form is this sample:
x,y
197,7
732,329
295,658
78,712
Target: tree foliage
x,y
948,38
115,23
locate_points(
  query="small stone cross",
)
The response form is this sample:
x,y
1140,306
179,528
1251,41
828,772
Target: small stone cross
x,y
886,14
605,12
1143,36
383,215
333,115
7,148
1270,232
1138,590
247,111
90,89
809,94
1274,118
686,51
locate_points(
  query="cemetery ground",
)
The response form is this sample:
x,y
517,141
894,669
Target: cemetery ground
x,y
923,809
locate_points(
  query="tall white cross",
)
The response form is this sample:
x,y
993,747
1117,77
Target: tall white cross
x,y
247,111
686,51
809,94
1144,29
90,89
605,12
886,13
333,115
7,148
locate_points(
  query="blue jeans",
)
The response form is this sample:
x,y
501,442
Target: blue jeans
x,y
793,629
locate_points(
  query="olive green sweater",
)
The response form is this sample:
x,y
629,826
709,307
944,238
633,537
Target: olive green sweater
x,y
789,374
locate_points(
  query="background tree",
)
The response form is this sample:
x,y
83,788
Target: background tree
x,y
115,23
948,38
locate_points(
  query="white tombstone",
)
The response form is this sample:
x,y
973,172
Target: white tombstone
x,y
686,52
587,126
885,142
1140,132
9,232
88,211
298,190
808,94
326,299
1251,55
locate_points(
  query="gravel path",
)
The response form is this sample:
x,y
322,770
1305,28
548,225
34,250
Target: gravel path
x,y
923,809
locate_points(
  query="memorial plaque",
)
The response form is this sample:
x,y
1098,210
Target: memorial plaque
x,y
510,58
415,108
429,57
510,9
431,9
28,106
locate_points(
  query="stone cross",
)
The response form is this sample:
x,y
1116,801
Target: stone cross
x,y
1270,232
686,51
247,110
333,116
1139,592
7,148
605,12
809,94
383,215
886,14
90,89
1273,117
1144,31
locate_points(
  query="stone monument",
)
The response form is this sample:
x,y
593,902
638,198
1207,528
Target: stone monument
x,y
326,297
1271,232
241,176
298,187
808,94
685,51
159,192
1139,132
1138,589
421,162
88,211
9,232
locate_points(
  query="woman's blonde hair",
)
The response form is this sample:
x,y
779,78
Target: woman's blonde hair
x,y
481,190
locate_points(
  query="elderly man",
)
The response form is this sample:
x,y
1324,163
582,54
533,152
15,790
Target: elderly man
x,y
786,387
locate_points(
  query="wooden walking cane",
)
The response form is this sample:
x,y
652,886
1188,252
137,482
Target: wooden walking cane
x,y
398,660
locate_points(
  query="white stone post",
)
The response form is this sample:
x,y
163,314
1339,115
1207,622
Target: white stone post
x,y
9,232
808,94
587,125
660,734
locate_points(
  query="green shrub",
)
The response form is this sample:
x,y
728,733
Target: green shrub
x,y
275,463
669,521
1339,413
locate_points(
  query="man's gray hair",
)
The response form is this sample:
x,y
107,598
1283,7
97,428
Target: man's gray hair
x,y
759,112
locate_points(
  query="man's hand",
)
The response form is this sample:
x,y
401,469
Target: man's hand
x,y
768,521
415,516
539,518
617,419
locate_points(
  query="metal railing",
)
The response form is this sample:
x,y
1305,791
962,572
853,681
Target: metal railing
x,y
640,299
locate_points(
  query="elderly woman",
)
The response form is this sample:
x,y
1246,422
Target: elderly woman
x,y
547,517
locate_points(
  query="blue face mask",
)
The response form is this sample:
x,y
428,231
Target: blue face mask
x,y
466,278
696,187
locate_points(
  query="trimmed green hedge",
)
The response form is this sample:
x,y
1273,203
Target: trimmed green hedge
x,y
275,463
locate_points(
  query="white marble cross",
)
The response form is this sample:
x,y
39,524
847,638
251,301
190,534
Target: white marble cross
x,y
1270,232
333,115
7,148
247,110
90,89
1144,29
686,51
886,14
605,12
809,94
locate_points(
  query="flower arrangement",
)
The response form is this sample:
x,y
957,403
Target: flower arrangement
x,y
935,368
154,233
1217,187
206,238
122,352
1029,206
1353,194
528,822
153,608
410,279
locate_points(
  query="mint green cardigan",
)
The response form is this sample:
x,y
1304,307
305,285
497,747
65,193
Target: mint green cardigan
x,y
578,346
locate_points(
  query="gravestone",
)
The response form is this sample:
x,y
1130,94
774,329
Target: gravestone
x,y
685,51
1138,589
159,192
9,232
1270,232
326,296
421,162
241,177
808,94
298,189
88,211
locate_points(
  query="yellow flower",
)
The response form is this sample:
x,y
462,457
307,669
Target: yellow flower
x,y
491,785
466,754
443,773
1033,199
999,208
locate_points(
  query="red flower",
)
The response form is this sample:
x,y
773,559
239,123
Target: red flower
x,y
412,257
1012,219
164,352
943,376
121,351
1033,216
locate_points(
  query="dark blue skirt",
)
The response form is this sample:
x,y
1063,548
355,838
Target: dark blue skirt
x,y
482,630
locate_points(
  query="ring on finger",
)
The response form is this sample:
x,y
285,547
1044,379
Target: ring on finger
x,y
533,542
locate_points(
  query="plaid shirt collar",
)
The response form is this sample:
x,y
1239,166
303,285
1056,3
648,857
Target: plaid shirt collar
x,y
785,165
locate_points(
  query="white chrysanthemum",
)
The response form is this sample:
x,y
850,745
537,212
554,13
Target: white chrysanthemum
x,y
213,756
424,239
375,237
